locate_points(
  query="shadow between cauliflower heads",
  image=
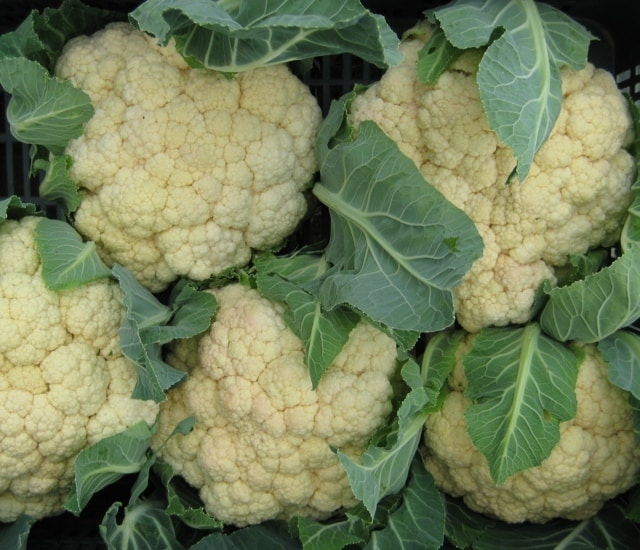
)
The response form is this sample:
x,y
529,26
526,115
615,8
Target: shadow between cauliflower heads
x,y
64,383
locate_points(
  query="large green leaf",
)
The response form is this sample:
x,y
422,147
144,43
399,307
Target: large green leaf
x,y
595,307
267,535
43,110
622,351
519,74
323,333
106,461
234,36
145,526
522,386
397,246
384,467
419,521
608,530
67,261
149,324
331,535
57,185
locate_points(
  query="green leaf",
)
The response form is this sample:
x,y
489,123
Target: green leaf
x,y
57,185
397,246
15,535
240,35
597,306
146,526
435,57
622,351
608,530
330,535
67,261
522,386
12,208
463,526
183,501
106,461
383,468
267,535
149,324
631,229
43,110
190,312
519,74
418,523
323,333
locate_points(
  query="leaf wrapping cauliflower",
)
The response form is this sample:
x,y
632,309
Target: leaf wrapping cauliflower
x,y
64,383
183,171
597,457
260,448
575,197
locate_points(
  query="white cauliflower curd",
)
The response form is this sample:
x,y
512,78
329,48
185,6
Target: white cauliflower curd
x,y
184,171
261,445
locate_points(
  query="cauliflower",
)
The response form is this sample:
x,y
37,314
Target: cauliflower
x,y
575,196
260,448
184,171
597,457
64,383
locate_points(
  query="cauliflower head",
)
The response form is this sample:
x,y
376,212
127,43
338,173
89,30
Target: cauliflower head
x,y
183,171
64,383
260,448
597,457
575,197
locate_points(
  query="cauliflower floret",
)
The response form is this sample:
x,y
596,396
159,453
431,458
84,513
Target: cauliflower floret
x,y
64,383
575,197
183,171
260,448
597,457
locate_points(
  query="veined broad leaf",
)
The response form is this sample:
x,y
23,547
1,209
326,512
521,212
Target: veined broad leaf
x,y
608,529
145,526
238,35
397,245
57,185
522,385
621,351
419,522
383,469
67,261
267,535
323,333
43,110
149,324
106,461
595,307
519,74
